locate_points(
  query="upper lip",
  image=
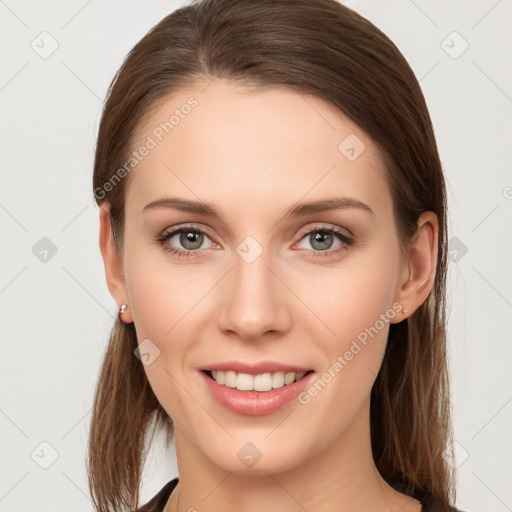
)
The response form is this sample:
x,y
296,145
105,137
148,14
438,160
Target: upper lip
x,y
256,368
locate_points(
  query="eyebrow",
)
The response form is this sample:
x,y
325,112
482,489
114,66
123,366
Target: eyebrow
x,y
298,210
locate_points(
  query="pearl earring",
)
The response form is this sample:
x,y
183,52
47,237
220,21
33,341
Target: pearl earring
x,y
122,309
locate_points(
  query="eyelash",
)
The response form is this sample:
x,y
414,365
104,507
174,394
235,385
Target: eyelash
x,y
344,238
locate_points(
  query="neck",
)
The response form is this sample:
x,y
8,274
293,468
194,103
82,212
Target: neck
x,y
341,476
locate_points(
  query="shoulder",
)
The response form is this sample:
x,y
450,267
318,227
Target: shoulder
x,y
429,502
157,502
441,508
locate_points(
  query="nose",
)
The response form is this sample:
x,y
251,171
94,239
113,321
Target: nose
x,y
253,300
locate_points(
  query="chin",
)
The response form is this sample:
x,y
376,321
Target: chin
x,y
257,459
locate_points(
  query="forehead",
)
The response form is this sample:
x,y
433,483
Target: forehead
x,y
224,143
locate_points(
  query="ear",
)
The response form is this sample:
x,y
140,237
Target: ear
x,y
113,263
419,266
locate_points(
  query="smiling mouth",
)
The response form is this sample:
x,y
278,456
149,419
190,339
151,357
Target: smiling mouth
x,y
261,382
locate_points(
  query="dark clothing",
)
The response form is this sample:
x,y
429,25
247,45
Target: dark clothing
x,y
157,503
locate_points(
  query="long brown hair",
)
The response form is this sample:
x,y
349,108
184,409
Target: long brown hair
x,y
317,47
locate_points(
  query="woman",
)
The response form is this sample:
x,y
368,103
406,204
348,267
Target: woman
x,y
273,228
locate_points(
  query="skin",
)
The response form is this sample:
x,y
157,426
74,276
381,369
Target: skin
x,y
254,155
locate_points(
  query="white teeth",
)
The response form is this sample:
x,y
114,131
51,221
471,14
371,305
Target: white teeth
x,y
261,382
289,378
244,382
278,380
229,378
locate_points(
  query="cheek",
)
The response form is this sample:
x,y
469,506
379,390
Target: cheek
x,y
168,303
163,312
164,296
355,306
350,298
352,358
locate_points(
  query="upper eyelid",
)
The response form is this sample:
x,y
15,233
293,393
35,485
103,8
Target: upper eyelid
x,y
175,230
324,227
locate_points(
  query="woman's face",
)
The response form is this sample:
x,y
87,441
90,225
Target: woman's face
x,y
255,283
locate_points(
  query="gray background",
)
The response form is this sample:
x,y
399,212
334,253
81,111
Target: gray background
x,y
56,314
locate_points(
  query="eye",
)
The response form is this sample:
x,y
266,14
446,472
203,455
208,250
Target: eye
x,y
187,241
188,237
322,239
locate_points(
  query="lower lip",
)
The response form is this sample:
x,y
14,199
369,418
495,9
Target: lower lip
x,y
255,403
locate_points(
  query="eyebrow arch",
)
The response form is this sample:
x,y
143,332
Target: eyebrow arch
x,y
324,205
298,210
